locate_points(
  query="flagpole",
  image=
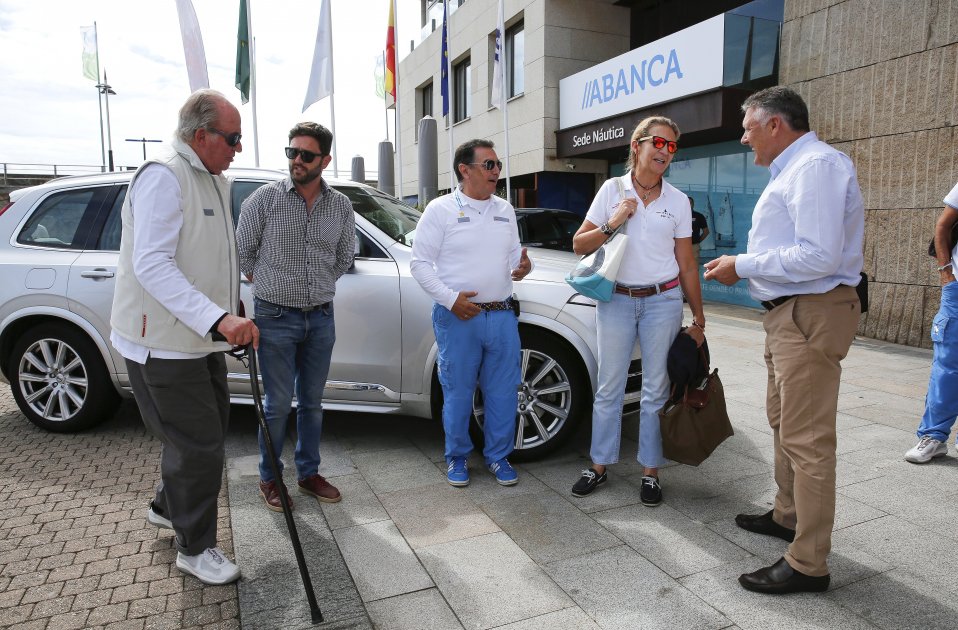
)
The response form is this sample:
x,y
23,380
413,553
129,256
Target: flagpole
x,y
505,123
99,99
451,86
252,80
397,133
385,97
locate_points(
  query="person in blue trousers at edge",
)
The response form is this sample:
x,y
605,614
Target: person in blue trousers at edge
x,y
465,256
941,403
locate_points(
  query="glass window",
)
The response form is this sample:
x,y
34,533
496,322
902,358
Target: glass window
x,y
515,60
241,190
387,213
109,240
59,220
462,82
423,105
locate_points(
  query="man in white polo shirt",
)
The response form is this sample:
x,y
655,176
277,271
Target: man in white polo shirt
x,y
465,256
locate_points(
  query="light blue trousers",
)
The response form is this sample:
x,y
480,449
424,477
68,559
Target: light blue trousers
x,y
941,402
654,322
483,351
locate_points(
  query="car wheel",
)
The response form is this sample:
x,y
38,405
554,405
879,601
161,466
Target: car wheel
x,y
553,398
59,380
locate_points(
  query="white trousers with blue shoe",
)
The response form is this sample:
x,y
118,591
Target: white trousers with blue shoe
x,y
483,351
653,321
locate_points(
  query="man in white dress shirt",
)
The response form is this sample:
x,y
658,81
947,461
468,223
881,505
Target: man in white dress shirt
x,y
177,290
803,262
465,256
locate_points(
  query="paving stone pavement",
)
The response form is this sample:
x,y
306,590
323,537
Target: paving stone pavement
x,y
404,550
75,548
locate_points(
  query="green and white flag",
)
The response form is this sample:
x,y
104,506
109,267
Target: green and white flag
x,y
90,63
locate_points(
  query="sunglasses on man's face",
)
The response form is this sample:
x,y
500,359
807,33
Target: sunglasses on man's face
x,y
306,156
658,142
488,164
232,139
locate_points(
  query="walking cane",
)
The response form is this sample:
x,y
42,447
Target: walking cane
x,y
317,615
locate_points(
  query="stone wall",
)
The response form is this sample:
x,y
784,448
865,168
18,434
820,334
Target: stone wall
x,y
881,81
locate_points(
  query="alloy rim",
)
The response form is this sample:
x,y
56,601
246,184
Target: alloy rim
x,y
53,380
544,400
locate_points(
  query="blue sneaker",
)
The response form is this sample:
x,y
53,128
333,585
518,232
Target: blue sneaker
x,y
505,474
458,473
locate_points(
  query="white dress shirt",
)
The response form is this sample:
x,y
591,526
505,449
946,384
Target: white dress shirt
x,y
951,199
465,244
650,253
156,229
808,226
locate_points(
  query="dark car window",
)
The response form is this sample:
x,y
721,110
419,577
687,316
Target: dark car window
x,y
62,220
542,227
109,240
568,224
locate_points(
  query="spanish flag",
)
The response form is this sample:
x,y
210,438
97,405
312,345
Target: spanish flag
x,y
390,78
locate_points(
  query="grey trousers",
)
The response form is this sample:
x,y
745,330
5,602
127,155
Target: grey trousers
x,y
186,404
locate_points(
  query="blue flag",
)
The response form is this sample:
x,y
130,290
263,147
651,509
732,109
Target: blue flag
x,y
444,73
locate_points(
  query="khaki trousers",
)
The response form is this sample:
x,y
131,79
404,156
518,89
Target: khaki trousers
x,y
806,339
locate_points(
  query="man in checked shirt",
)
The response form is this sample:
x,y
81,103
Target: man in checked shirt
x,y
295,239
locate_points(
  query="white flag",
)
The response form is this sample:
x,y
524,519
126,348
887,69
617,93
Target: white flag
x,y
498,79
192,46
89,53
321,77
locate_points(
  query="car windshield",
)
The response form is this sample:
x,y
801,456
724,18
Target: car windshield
x,y
394,218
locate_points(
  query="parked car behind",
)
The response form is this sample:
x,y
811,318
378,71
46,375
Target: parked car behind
x,y
547,227
58,250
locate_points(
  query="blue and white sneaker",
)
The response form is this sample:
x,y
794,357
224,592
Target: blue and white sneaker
x,y
458,473
505,474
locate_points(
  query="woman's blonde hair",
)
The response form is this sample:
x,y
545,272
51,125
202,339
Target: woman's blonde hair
x,y
642,130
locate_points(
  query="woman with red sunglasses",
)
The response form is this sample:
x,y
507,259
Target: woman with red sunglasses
x,y
647,304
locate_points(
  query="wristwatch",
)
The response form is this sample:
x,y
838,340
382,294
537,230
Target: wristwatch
x,y
607,229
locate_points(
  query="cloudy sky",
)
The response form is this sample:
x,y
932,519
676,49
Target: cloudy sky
x,y
49,112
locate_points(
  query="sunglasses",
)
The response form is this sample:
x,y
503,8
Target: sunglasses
x,y
488,164
232,139
658,142
307,156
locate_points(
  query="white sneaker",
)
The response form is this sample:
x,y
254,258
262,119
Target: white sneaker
x,y
210,567
156,519
927,449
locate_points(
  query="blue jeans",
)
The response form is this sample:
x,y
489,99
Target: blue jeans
x,y
483,351
294,354
654,322
941,403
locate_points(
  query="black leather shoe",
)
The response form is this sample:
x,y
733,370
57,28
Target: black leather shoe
x,y
763,524
781,578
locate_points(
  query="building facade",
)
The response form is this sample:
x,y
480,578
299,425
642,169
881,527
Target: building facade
x,y
880,79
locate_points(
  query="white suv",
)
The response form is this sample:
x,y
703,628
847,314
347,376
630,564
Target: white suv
x,y
58,252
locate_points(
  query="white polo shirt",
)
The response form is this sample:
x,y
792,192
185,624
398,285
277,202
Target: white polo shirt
x,y
951,199
650,255
464,244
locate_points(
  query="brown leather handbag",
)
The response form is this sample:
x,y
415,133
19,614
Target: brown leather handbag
x,y
695,422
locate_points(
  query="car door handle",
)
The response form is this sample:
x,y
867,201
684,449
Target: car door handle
x,y
96,273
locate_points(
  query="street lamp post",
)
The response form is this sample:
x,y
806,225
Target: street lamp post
x,y
106,89
144,141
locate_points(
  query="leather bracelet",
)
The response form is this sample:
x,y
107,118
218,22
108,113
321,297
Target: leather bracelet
x,y
698,325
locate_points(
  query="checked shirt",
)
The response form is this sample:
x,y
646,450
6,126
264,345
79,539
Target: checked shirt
x,y
295,254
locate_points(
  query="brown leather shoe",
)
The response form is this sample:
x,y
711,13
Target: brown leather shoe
x,y
781,578
764,524
318,487
269,490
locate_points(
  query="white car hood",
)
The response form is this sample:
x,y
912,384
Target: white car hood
x,y
551,265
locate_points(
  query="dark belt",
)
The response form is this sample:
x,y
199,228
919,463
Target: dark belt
x,y
770,304
306,309
505,305
646,291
